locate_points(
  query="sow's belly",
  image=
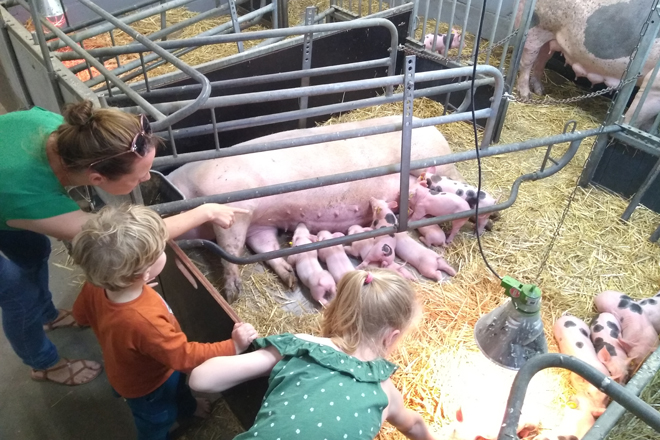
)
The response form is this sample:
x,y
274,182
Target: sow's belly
x,y
334,207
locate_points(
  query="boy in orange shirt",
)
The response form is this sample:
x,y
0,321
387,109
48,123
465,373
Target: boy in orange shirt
x,y
146,354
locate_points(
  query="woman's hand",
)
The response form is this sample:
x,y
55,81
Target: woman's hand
x,y
223,215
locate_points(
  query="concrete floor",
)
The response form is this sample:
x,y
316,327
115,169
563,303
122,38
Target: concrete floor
x,y
46,411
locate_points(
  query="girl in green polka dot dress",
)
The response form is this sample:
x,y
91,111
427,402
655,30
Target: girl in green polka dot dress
x,y
337,386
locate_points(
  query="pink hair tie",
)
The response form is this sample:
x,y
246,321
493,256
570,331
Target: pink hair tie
x,y
369,278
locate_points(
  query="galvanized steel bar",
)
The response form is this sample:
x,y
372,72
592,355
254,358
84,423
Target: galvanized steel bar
x,y
317,111
235,196
514,63
492,32
97,20
177,54
406,139
374,233
298,30
45,53
635,385
647,89
648,33
109,24
307,46
276,95
216,138
655,236
194,74
556,360
637,198
505,48
234,22
114,44
144,73
163,19
450,25
263,79
464,28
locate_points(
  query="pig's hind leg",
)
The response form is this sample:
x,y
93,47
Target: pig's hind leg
x,y
264,239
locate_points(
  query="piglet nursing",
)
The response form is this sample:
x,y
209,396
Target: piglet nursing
x,y
423,202
321,284
426,261
334,257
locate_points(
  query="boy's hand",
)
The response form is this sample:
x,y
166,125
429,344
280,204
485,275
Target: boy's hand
x,y
243,335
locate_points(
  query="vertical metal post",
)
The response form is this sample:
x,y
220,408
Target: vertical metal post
x,y
144,72
450,25
655,236
112,39
310,12
216,139
509,31
163,22
235,23
406,139
45,53
648,33
413,21
89,68
519,45
172,143
492,32
647,89
641,191
464,29
14,61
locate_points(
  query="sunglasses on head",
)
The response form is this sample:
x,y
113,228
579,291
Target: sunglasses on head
x,y
138,145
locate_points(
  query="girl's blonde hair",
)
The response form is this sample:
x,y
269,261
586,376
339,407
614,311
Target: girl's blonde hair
x,y
119,244
364,311
91,134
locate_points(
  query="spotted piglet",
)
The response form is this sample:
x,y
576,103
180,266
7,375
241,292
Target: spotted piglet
x,y
452,41
321,284
423,202
572,336
651,308
437,184
368,250
605,333
334,256
638,337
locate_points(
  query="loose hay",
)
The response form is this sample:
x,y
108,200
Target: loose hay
x,y
594,251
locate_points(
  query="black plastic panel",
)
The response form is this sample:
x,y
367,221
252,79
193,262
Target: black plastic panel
x,y
623,169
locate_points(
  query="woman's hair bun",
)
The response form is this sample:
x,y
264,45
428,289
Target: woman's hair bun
x,y
79,113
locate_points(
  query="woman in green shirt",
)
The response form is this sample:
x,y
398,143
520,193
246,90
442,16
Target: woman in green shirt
x,y
41,153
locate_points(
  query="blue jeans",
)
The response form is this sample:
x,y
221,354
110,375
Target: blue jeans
x,y
156,412
25,298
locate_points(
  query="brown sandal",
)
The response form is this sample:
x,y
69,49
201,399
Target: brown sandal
x,y
42,375
54,324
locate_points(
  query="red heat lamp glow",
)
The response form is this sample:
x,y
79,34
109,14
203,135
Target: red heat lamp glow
x,y
57,20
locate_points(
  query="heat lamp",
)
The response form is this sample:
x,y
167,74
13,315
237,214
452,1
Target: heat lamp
x,y
513,333
52,10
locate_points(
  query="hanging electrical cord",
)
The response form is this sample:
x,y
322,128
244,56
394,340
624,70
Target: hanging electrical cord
x,y
476,137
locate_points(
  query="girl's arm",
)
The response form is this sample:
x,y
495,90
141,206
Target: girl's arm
x,y
405,420
221,373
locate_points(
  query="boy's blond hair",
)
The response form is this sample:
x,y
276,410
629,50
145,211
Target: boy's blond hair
x,y
364,312
117,246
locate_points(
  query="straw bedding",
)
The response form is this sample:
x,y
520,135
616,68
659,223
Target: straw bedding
x,y
441,367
